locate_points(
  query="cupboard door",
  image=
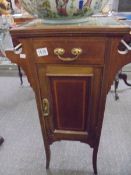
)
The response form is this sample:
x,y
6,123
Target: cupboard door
x,y
72,93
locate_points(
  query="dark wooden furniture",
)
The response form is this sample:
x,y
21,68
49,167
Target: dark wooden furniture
x,y
23,63
120,76
1,140
123,49
71,69
123,6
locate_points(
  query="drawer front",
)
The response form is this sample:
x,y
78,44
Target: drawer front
x,y
93,50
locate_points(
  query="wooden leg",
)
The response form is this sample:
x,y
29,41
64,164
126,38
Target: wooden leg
x,y
95,151
1,140
116,87
48,155
20,75
124,78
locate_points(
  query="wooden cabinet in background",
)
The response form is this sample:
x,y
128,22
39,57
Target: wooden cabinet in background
x,y
71,69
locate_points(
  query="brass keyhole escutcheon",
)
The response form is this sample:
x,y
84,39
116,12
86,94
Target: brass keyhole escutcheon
x,y
45,107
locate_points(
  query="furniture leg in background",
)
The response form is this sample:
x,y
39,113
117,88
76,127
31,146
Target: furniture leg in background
x,y
116,86
1,140
20,75
119,76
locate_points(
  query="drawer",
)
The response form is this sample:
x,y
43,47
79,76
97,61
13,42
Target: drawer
x,y
93,50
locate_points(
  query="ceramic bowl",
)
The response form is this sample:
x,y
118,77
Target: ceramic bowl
x,y
63,9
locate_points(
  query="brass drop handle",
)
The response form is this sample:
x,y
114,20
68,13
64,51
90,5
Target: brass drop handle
x,y
60,51
45,107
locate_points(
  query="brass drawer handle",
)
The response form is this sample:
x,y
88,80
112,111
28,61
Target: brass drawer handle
x,y
75,51
45,107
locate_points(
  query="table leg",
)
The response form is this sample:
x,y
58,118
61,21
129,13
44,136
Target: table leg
x,y
123,76
1,140
20,75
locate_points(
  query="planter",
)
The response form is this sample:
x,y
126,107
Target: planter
x,y
63,10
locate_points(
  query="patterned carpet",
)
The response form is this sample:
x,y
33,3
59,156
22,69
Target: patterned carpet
x,y
23,152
